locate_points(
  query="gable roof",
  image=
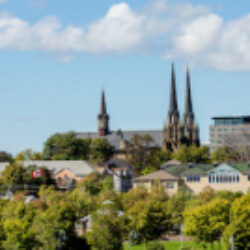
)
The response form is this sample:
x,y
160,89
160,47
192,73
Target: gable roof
x,y
224,168
158,175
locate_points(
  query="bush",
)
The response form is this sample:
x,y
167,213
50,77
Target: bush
x,y
155,245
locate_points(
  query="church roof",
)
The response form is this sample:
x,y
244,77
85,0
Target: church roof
x,y
115,137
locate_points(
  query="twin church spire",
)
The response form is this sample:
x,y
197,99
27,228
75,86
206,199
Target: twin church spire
x,y
174,133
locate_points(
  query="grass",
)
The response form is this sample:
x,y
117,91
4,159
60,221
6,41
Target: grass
x,y
175,245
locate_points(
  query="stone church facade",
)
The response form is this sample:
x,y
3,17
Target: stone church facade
x,y
175,132
173,135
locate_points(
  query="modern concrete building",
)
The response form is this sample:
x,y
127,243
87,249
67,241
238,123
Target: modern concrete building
x,y
233,131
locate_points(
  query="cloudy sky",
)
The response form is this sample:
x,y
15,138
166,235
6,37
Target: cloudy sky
x,y
57,55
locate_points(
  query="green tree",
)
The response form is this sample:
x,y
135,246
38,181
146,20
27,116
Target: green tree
x,y
138,150
92,183
13,174
106,232
239,225
101,150
66,147
154,159
16,174
149,218
176,206
206,223
44,179
193,154
17,226
5,157
225,154
55,220
28,154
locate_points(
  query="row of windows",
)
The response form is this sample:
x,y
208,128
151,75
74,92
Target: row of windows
x,y
216,178
223,178
193,178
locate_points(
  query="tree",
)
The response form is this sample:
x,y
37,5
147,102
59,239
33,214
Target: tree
x,y
66,147
28,154
54,222
17,226
225,154
137,151
132,196
44,179
5,157
16,174
207,194
193,154
92,183
13,174
149,219
106,232
101,150
176,206
239,225
154,159
206,223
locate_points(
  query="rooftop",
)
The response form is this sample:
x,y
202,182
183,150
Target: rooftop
x,y
158,175
247,117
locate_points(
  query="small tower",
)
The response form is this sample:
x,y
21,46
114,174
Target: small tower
x,y
191,132
103,118
172,131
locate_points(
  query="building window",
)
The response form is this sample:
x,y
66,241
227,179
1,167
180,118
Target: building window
x,y
170,185
193,178
224,178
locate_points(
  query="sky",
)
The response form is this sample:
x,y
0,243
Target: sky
x,y
56,56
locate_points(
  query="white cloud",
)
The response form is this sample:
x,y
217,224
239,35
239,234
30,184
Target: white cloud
x,y
182,31
4,1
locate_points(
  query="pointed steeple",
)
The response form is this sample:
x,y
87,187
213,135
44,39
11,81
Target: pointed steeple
x,y
173,106
188,101
103,118
103,110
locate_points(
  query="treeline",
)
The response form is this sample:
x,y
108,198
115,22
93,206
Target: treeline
x,y
141,152
66,146
51,222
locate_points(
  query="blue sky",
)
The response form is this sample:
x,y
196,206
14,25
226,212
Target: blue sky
x,y
57,55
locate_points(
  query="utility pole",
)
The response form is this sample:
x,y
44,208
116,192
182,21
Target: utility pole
x,y
232,241
182,229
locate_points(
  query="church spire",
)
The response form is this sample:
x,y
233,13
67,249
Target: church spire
x,y
173,107
103,110
188,101
103,118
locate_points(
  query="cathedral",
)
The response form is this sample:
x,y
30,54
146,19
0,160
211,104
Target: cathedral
x,y
175,132
173,135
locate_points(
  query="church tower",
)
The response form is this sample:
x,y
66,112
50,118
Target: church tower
x,y
190,131
172,132
103,118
